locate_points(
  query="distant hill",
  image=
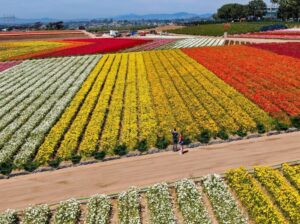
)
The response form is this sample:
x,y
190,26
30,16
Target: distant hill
x,y
179,15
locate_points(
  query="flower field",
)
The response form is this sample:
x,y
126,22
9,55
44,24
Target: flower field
x,y
80,107
262,196
43,49
253,72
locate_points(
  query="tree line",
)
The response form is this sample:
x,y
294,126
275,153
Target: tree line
x,y
257,9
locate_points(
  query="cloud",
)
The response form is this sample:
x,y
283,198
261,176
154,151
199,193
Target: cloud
x,y
67,9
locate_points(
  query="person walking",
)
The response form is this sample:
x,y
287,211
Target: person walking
x,y
181,144
175,140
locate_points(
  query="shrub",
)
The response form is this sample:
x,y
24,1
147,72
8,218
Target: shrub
x,y
6,168
204,136
241,132
161,142
31,166
142,145
76,158
222,134
120,150
261,129
54,162
296,121
186,140
99,155
9,217
279,126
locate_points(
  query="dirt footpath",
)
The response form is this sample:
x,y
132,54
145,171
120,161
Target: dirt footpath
x,y
118,175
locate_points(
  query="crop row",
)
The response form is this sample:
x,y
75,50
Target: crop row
x,y
36,104
253,72
7,65
193,42
62,108
264,196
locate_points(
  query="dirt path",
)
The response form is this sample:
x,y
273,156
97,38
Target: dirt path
x,y
118,175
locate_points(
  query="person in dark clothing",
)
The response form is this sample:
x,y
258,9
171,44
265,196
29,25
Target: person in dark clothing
x,y
175,139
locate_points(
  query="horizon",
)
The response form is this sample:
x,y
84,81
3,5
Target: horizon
x,y
89,9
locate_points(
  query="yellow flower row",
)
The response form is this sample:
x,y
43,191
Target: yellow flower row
x,y
110,133
14,49
181,113
129,131
225,112
147,120
287,198
227,96
258,204
163,111
48,148
189,91
75,132
292,173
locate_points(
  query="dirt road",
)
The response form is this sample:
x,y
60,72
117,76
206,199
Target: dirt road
x,y
118,175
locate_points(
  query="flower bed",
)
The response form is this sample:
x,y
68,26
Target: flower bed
x,y
292,173
160,205
286,197
191,203
67,212
288,49
98,210
38,214
273,86
129,207
223,202
7,65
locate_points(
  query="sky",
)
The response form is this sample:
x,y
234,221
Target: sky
x,y
71,9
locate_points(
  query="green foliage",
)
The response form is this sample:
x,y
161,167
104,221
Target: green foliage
x,y
218,28
296,121
280,126
76,158
161,142
241,132
120,150
231,12
261,129
54,162
222,134
31,166
142,145
257,8
6,168
99,155
204,137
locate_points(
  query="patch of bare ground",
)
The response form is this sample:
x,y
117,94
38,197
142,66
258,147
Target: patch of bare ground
x,y
176,209
114,212
144,214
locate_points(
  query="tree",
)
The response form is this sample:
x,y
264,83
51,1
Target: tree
x,y
56,26
288,8
257,8
232,12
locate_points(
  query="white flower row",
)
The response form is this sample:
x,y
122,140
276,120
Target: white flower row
x,y
98,210
194,42
17,132
29,76
9,217
68,212
160,204
223,202
190,202
37,215
129,207
36,137
17,73
22,101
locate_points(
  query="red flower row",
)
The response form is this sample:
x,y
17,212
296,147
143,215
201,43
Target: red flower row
x,y
7,65
94,46
270,80
289,49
